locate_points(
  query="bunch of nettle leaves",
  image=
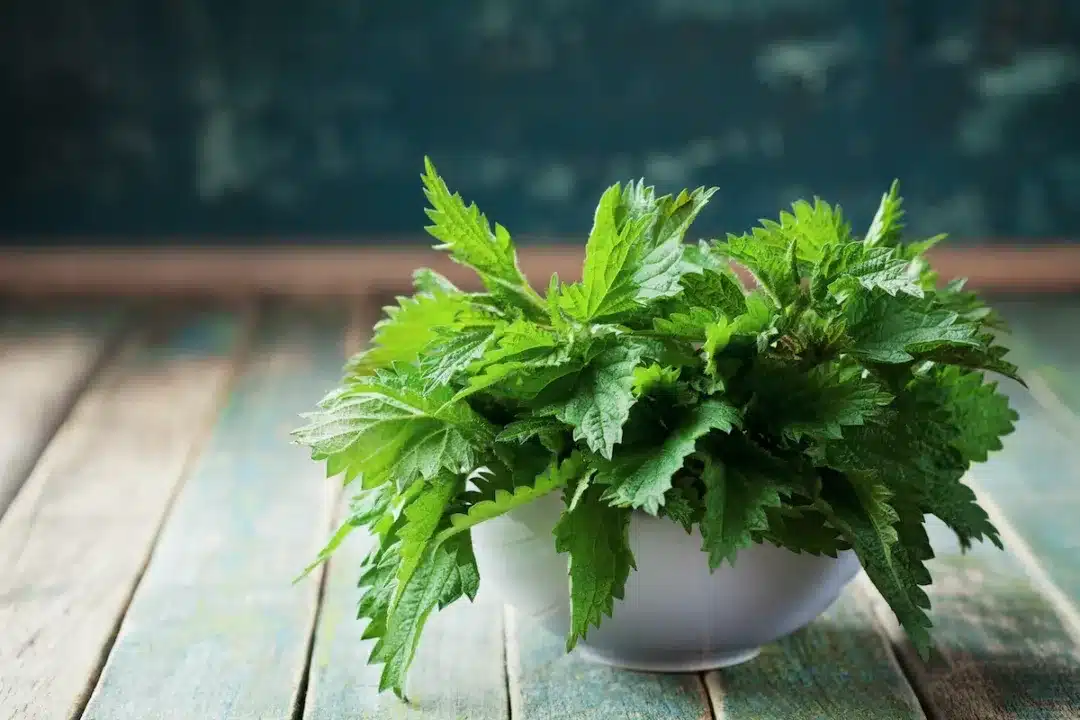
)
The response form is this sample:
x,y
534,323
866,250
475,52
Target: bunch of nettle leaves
x,y
828,408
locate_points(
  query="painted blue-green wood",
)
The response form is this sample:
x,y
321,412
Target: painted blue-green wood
x,y
47,354
1035,485
547,684
459,669
78,534
840,667
1003,650
1046,340
216,630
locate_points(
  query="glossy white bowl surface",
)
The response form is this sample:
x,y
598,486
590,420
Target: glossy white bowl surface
x,y
676,616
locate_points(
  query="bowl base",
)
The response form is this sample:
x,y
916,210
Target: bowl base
x,y
701,663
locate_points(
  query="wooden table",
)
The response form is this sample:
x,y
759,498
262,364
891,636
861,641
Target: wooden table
x,y
155,514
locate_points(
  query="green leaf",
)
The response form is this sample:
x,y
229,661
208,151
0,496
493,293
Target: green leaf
x,y
985,356
772,265
455,352
892,330
888,225
640,477
718,291
522,430
465,581
422,518
612,257
817,402
464,232
524,359
435,575
860,509
365,509
654,379
917,453
634,253
735,502
670,216
803,529
386,427
601,399
846,269
799,239
406,330
557,475
597,538
683,504
980,414
428,281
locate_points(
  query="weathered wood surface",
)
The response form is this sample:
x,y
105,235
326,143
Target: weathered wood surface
x,y
216,630
1045,337
458,672
1034,484
77,536
547,684
840,667
46,357
1002,649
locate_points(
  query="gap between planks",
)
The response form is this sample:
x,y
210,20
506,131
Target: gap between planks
x,y
913,668
362,317
94,353
248,316
61,687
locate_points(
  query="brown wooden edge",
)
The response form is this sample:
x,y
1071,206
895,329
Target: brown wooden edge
x,y
365,271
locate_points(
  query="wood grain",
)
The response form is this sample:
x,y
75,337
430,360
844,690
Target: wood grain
x,y
1002,650
1035,485
547,684
77,536
46,359
840,667
458,671
1046,345
216,629
308,269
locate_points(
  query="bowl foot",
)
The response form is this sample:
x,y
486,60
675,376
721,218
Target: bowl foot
x,y
684,664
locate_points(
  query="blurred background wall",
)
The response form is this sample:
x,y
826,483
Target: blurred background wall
x,y
258,122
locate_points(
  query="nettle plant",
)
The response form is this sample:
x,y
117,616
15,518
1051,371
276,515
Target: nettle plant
x,y
830,407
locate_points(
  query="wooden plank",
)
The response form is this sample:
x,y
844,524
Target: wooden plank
x,y
839,667
77,536
1034,484
1047,348
46,358
1002,649
458,672
309,269
216,629
547,684
444,681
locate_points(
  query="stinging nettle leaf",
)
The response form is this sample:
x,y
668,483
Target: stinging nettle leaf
x,y
596,537
387,428
832,408
464,231
640,477
406,330
735,509
862,512
601,399
888,224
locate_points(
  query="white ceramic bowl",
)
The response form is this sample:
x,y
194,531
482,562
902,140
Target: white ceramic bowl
x,y
676,616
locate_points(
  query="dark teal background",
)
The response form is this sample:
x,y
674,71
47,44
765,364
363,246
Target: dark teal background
x,y
236,121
